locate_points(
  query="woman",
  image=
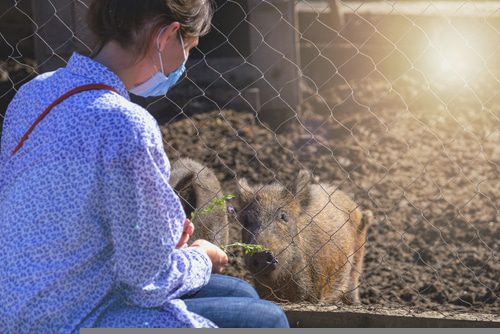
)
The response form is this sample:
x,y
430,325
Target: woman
x,y
92,233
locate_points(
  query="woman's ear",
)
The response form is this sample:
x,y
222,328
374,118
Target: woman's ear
x,y
165,34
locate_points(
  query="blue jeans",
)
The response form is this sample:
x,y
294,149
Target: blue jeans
x,y
231,302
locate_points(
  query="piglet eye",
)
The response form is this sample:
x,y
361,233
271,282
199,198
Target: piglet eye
x,y
284,216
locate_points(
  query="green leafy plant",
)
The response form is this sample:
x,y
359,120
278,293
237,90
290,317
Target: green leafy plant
x,y
247,248
216,204
220,204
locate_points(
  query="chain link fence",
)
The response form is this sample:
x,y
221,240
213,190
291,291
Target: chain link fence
x,y
394,105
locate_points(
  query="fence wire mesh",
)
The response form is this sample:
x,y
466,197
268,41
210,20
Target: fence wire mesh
x,y
391,107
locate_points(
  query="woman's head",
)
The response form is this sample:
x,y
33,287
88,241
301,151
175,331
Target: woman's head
x,y
135,24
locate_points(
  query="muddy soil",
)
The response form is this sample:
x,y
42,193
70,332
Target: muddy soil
x,y
424,157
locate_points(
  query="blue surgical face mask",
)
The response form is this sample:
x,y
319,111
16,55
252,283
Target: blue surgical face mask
x,y
159,83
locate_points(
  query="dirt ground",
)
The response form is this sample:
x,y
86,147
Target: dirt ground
x,y
423,157
12,76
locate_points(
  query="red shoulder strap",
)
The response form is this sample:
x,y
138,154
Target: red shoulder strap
x,y
56,102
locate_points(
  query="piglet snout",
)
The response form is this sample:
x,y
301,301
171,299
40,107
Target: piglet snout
x,y
262,262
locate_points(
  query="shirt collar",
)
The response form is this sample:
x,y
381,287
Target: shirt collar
x,y
97,72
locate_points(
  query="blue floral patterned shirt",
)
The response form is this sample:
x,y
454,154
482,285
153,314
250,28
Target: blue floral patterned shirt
x,y
87,217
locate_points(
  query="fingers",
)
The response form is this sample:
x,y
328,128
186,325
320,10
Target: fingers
x,y
221,261
217,256
224,260
183,242
188,227
188,231
220,267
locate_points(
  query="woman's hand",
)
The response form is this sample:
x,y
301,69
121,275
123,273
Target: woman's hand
x,y
187,232
217,256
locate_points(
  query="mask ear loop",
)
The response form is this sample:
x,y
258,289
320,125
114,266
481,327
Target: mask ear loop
x,y
158,48
182,44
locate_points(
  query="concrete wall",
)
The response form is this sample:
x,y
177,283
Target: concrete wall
x,y
311,316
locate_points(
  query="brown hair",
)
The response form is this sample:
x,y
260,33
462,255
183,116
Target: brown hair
x,y
127,21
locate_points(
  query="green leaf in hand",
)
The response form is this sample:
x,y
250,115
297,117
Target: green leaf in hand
x,y
247,248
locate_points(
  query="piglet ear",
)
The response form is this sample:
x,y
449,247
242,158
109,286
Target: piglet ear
x,y
301,189
244,190
185,188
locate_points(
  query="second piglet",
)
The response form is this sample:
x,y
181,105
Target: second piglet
x,y
197,186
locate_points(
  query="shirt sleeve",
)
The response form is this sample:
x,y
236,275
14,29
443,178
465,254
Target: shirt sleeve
x,y
146,221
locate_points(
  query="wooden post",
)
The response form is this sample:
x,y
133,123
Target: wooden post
x,y
85,40
274,52
60,29
337,19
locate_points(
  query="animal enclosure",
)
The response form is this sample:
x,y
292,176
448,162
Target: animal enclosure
x,y
394,103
